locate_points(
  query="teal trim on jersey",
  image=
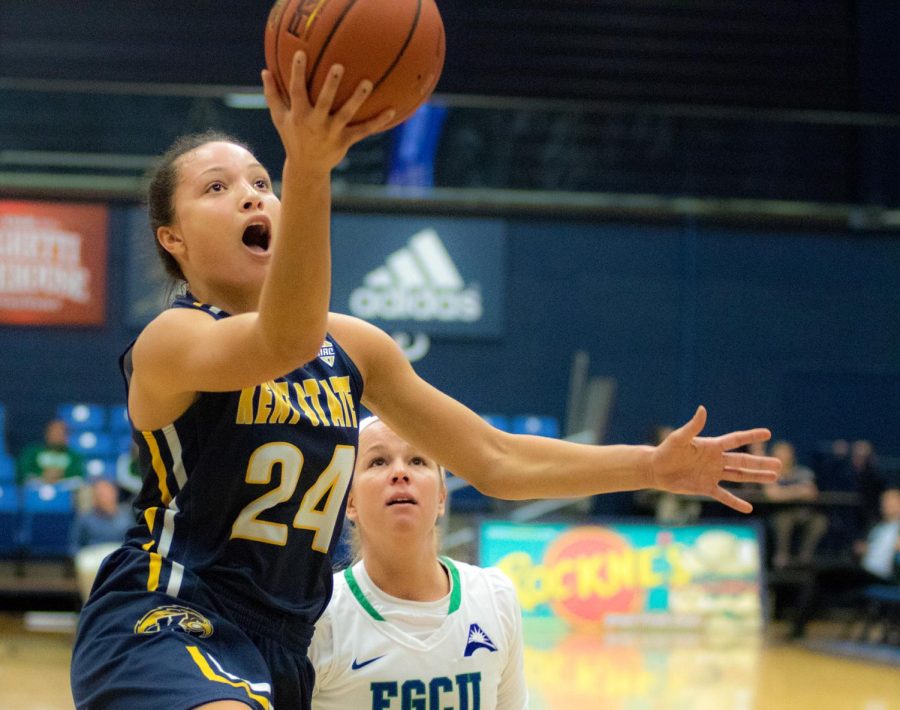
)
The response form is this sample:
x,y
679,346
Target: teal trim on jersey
x,y
456,591
360,597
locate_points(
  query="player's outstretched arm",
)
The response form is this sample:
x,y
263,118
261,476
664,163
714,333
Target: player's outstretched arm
x,y
690,464
293,305
526,467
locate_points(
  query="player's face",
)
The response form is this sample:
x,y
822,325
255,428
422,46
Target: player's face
x,y
225,217
396,487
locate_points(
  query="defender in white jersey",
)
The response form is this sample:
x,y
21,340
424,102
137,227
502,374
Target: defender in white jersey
x,y
406,628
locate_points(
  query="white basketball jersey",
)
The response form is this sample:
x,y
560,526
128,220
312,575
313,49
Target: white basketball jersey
x,y
471,661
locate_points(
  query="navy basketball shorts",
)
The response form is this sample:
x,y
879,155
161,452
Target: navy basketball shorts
x,y
139,650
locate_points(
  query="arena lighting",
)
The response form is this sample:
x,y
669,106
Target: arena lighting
x,y
245,101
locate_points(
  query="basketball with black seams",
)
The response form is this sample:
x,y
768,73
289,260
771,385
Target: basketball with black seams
x,y
398,45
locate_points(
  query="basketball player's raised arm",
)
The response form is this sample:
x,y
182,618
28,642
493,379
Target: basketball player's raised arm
x,y
281,324
294,302
525,467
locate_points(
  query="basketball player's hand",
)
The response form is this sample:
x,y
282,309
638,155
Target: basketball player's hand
x,y
689,464
311,134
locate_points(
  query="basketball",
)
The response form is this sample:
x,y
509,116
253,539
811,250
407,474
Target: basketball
x,y
396,44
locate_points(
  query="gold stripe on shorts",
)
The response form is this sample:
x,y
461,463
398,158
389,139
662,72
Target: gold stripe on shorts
x,y
210,674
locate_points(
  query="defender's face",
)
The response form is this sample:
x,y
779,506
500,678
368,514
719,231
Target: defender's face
x,y
396,487
225,217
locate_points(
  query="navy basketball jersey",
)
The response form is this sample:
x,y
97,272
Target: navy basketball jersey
x,y
246,490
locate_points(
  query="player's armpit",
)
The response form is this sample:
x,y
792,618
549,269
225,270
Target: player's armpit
x,y
445,429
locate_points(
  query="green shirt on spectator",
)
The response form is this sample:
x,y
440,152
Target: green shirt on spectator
x,y
37,459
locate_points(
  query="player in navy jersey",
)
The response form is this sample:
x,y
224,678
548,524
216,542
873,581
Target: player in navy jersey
x,y
244,398
245,412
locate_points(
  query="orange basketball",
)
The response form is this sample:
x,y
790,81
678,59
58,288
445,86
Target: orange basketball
x,y
397,44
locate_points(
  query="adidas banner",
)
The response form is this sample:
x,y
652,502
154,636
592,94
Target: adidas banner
x,y
439,276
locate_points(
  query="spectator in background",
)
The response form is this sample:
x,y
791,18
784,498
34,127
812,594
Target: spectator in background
x,y
833,466
877,563
51,460
127,474
796,485
853,468
98,532
869,482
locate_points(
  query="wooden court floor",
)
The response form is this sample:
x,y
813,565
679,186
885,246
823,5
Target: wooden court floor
x,y
616,672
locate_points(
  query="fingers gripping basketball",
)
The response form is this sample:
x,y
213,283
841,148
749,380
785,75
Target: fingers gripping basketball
x,y
396,44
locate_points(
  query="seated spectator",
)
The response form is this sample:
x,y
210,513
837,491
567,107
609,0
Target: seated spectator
x,y
128,475
877,564
98,532
853,468
869,482
796,485
832,464
51,460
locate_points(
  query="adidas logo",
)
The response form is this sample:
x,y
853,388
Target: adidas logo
x,y
419,282
478,639
326,353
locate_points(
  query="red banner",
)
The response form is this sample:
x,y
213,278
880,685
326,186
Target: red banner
x,y
52,263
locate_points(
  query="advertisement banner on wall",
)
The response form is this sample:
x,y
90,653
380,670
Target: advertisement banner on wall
x,y
52,263
438,276
630,575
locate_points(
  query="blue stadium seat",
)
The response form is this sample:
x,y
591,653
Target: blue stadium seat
x,y
882,602
97,467
122,444
92,444
7,469
886,594
536,426
118,422
9,520
498,421
82,415
47,516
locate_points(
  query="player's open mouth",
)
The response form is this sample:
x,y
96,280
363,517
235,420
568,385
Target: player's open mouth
x,y
402,500
257,237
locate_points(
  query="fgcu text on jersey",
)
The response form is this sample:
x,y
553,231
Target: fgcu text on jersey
x,y
376,653
462,691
